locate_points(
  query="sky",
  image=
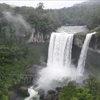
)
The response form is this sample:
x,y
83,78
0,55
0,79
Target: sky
x,y
48,4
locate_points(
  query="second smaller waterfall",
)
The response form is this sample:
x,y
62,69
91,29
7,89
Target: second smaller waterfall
x,y
82,58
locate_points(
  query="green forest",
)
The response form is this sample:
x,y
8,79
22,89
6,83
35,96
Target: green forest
x,y
16,57
47,20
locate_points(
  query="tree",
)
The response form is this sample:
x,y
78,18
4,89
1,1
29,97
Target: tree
x,y
40,6
93,86
70,92
11,66
12,61
82,94
45,25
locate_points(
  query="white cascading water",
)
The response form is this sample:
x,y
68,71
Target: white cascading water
x,y
32,94
82,58
59,61
60,49
59,66
73,29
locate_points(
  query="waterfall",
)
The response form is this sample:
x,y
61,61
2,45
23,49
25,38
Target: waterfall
x,y
82,58
59,67
59,61
60,49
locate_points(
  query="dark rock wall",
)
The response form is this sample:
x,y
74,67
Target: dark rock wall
x,y
94,44
92,65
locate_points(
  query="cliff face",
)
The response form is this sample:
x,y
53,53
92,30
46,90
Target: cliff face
x,y
78,39
92,65
93,56
94,44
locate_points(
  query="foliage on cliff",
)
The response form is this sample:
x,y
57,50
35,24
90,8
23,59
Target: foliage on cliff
x,y
12,61
15,58
12,66
70,92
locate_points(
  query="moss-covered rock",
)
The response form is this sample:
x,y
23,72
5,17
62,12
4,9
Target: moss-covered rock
x,y
12,95
23,91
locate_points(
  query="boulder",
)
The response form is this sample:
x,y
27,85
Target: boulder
x,y
52,95
51,92
58,89
12,95
19,98
24,91
41,93
49,97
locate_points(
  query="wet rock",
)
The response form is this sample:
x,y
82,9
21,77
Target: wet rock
x,y
12,95
41,93
51,92
50,95
19,98
24,91
58,89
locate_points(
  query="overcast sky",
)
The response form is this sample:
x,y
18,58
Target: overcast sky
x,y
47,3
